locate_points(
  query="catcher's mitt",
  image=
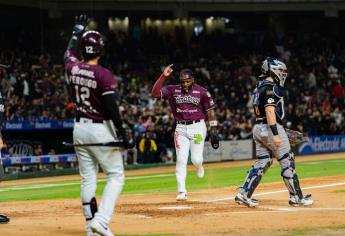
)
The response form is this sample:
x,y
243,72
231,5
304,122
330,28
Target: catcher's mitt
x,y
295,137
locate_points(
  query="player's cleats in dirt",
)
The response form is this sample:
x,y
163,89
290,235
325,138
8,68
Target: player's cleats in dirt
x,y
242,199
181,197
253,200
101,229
89,233
4,219
88,229
200,172
305,201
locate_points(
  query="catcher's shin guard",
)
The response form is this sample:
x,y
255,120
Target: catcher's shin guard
x,y
90,209
255,174
287,162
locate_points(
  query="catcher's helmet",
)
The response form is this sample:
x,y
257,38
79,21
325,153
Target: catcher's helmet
x,y
91,44
274,68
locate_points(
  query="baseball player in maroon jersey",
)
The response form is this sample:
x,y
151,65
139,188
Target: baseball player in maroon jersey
x,y
3,218
92,88
191,105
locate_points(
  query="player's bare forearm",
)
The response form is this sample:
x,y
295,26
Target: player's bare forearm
x,y
211,114
156,90
271,115
211,117
272,122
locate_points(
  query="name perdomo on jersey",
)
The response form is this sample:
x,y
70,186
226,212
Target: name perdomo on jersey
x,y
76,79
187,99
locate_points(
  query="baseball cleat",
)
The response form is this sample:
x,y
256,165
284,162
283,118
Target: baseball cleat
x,y
242,199
181,197
90,233
4,219
101,229
253,200
305,201
200,172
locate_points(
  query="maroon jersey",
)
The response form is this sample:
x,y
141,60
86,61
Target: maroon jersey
x,y
88,83
188,106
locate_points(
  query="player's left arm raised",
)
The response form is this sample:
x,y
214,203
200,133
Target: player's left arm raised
x,y
78,29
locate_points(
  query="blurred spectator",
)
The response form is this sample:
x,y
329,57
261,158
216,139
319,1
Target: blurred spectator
x,y
34,89
148,148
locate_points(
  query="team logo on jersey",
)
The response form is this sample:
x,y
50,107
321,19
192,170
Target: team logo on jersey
x,y
87,73
195,91
270,100
187,99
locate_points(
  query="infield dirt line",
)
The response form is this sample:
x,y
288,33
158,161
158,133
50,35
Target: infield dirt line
x,y
275,192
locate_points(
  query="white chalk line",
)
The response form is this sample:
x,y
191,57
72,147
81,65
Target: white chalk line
x,y
175,208
52,185
278,191
265,208
277,210
294,209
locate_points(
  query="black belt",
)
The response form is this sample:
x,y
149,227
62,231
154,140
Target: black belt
x,y
77,119
264,121
187,122
261,121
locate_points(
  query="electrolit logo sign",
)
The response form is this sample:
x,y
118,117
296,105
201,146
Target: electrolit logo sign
x,y
323,144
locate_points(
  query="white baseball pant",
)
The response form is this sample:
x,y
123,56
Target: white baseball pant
x,y
188,139
110,160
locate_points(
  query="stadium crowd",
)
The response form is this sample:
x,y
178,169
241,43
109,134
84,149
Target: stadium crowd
x,y
34,88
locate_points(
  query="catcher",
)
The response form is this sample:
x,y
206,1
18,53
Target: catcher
x,y
271,138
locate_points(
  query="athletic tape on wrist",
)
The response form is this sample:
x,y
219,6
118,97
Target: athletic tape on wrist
x,y
274,129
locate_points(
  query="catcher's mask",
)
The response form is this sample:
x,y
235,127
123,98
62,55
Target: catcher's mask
x,y
275,69
186,79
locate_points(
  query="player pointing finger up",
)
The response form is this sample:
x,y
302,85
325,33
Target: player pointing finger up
x,y
191,105
168,70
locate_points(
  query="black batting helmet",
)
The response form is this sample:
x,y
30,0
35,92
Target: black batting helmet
x,y
91,44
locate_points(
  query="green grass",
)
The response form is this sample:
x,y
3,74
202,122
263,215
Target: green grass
x,y
166,183
340,230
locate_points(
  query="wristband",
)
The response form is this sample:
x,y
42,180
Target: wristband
x,y
274,129
213,123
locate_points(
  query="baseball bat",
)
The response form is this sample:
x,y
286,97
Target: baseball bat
x,y
105,144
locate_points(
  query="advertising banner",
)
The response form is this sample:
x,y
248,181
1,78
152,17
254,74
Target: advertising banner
x,y
323,144
229,150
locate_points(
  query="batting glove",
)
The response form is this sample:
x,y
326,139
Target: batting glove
x,y
80,25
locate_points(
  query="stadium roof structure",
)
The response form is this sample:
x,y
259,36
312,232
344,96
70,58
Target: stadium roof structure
x,y
182,6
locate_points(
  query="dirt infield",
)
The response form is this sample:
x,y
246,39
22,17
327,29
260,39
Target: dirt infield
x,y
207,212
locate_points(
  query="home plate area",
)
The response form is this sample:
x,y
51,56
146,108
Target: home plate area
x,y
178,209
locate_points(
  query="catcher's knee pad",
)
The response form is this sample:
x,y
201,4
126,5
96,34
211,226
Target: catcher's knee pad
x,y
287,163
255,174
90,209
